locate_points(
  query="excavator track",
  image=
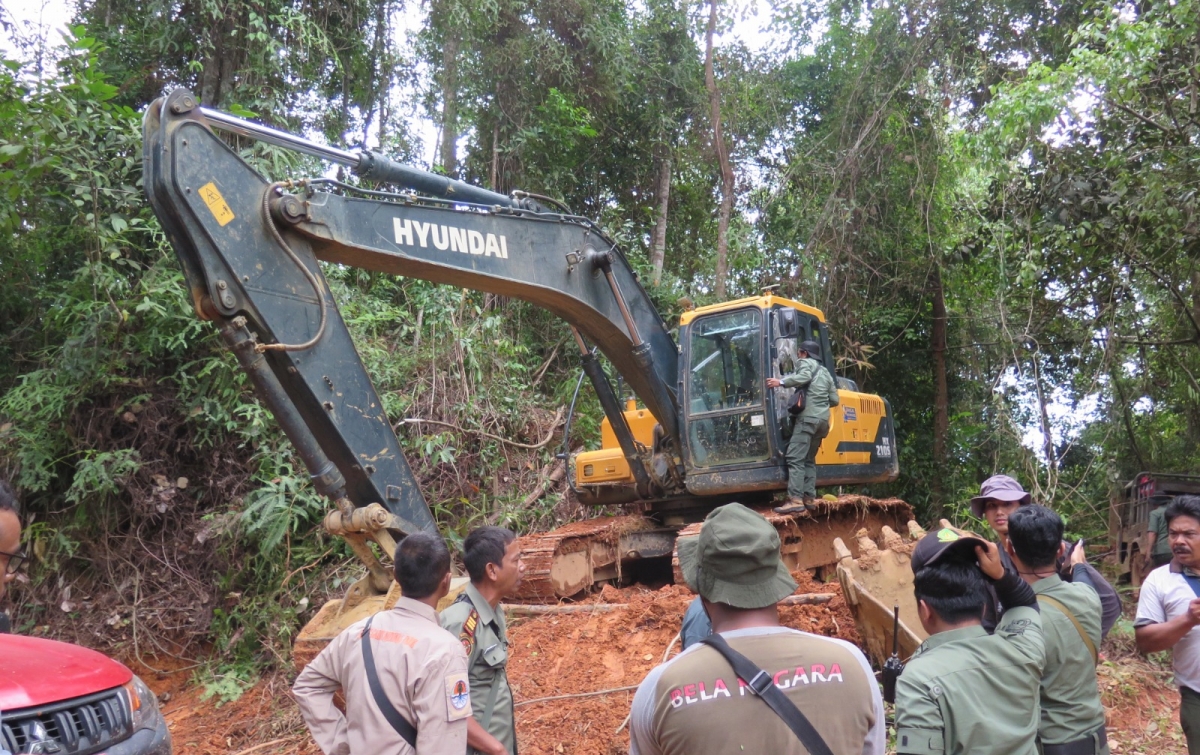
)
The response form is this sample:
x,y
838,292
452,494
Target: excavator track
x,y
575,557
578,557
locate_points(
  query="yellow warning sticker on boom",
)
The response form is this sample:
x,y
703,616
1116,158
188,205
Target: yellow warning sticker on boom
x,y
216,203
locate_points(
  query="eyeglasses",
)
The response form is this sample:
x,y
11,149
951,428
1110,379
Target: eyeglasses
x,y
15,560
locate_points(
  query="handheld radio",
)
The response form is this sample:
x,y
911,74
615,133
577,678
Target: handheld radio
x,y
893,666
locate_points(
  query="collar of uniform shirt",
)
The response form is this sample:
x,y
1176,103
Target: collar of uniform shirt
x,y
1045,583
486,614
962,633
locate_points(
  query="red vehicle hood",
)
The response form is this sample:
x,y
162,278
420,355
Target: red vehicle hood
x,y
34,671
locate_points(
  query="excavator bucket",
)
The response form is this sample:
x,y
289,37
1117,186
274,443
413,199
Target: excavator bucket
x,y
877,581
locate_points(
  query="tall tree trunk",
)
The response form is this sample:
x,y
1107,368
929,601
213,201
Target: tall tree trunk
x,y
495,155
941,398
1047,438
659,247
224,57
1193,411
450,100
726,208
381,72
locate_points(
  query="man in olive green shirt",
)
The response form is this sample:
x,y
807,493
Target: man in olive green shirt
x,y
965,691
812,425
1158,544
1072,716
493,560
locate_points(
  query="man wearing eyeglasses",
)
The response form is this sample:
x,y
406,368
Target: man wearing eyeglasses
x,y
1168,611
10,541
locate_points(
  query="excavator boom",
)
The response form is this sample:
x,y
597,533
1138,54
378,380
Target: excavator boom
x,y
250,248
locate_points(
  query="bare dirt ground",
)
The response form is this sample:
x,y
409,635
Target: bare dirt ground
x,y
573,677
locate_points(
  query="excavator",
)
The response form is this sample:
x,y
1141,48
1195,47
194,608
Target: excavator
x,y
703,429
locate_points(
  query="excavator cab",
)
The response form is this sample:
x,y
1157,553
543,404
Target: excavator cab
x,y
735,429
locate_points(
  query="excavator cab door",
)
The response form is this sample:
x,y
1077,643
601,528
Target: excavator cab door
x,y
726,397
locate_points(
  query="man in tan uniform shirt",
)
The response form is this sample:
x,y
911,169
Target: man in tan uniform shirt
x,y
697,704
422,669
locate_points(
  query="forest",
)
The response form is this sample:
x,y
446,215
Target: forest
x,y
996,204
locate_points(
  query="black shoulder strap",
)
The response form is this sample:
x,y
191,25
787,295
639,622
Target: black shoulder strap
x,y
761,684
393,716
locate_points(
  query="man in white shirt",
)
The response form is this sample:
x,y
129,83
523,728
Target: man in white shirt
x,y
1168,611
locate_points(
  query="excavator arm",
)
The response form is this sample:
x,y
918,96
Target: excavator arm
x,y
250,250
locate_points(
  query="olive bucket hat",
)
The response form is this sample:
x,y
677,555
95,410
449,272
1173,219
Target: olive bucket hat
x,y
735,560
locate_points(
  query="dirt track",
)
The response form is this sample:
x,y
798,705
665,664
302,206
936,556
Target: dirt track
x,y
608,652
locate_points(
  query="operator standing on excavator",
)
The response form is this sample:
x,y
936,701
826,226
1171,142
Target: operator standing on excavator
x,y
493,560
812,425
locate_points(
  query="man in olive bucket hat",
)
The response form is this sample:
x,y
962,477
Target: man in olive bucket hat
x,y
697,703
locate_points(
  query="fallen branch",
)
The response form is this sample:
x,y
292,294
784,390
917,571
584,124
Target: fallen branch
x,y
577,694
545,483
807,599
558,417
524,610
265,745
541,372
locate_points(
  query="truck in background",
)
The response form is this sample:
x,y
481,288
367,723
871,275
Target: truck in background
x,y
1129,514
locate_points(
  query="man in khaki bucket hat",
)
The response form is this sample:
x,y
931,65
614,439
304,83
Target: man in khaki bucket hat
x,y
696,703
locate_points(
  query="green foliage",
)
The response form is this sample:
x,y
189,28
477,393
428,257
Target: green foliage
x,y
281,507
227,685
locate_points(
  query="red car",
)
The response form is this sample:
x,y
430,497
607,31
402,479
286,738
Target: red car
x,y
63,699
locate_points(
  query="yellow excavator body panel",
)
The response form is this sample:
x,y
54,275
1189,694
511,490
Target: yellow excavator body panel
x,y
854,427
608,464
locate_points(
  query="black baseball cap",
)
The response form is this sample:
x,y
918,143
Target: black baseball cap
x,y
943,545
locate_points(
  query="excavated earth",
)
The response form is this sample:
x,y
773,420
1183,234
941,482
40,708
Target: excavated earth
x,y
574,676
588,662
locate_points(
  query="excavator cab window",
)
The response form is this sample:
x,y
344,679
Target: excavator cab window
x,y
725,389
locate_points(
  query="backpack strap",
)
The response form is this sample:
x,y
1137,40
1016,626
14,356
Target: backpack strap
x,y
1091,646
393,716
760,683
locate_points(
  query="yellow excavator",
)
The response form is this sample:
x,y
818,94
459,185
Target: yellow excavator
x,y
703,429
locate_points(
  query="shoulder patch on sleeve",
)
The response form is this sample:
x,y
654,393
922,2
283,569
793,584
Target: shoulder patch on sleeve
x,y
458,697
1016,626
467,635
